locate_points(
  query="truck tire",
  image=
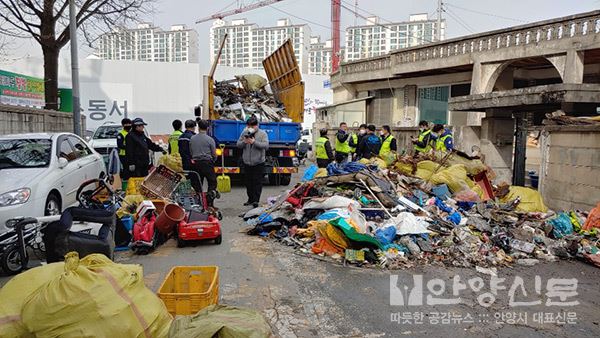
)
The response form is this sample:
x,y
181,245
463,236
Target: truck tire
x,y
285,179
273,179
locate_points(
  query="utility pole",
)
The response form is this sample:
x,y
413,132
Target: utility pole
x,y
335,34
439,21
74,69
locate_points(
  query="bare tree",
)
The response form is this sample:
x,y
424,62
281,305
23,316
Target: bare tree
x,y
47,22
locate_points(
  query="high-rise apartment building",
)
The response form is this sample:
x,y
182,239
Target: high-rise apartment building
x,y
247,44
375,38
319,56
150,43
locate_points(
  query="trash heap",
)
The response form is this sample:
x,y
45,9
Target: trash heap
x,y
413,212
244,96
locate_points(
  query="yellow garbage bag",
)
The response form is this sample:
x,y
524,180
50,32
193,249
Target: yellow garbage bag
x,y
14,294
172,161
95,297
321,172
531,200
334,235
425,169
389,158
455,177
374,161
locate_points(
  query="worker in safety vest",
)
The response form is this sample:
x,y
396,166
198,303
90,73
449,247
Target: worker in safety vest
x,y
126,124
422,145
174,138
323,151
442,138
342,144
388,141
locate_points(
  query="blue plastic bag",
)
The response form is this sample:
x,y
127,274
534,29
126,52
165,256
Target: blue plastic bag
x,y
454,217
386,235
562,225
309,173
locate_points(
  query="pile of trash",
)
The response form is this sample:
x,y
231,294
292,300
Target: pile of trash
x,y
244,96
416,212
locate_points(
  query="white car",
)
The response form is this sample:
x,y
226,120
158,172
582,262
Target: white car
x,y
40,173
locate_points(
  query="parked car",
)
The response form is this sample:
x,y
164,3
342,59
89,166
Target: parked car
x,y
40,173
104,139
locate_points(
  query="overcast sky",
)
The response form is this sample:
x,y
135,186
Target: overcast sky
x,y
463,16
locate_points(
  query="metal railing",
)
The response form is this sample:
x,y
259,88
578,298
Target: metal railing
x,y
579,25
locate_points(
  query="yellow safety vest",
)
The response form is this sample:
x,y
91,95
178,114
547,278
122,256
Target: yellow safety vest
x,y
440,144
386,146
320,148
124,133
355,139
342,147
422,136
174,141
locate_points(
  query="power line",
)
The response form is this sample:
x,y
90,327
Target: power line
x,y
484,13
380,25
459,20
299,18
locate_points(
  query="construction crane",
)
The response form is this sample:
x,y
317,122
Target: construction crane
x,y
239,10
335,24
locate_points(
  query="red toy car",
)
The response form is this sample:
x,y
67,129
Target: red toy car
x,y
198,226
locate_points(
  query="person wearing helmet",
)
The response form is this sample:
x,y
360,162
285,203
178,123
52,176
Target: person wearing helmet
x,y
323,150
137,147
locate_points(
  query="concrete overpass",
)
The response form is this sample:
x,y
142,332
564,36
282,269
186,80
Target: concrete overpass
x,y
481,84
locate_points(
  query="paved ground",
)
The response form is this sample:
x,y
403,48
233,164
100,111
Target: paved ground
x,y
306,297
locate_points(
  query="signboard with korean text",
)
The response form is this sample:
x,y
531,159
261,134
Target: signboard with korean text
x,y
106,102
21,90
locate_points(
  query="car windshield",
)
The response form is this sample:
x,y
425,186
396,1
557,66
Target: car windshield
x,y
107,132
25,153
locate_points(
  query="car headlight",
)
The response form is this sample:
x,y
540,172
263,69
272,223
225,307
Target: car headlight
x,y
15,197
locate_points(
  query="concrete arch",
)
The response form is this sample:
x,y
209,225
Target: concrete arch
x,y
494,71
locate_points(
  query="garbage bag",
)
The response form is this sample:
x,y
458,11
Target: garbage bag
x,y
561,225
309,173
531,200
172,161
95,297
321,172
409,224
334,236
344,168
332,202
593,219
386,235
404,168
425,169
455,177
358,240
221,321
14,294
252,82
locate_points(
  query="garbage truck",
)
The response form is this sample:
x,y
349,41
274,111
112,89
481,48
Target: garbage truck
x,y
285,81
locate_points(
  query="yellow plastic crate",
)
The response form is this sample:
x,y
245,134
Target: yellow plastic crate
x,y
188,289
133,185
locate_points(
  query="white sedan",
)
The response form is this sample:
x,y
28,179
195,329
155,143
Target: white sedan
x,y
40,173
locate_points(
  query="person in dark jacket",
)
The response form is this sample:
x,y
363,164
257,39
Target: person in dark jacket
x,y
370,145
137,147
355,142
323,150
184,144
204,155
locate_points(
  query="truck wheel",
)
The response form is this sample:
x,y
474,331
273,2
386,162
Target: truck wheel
x,y
273,179
285,179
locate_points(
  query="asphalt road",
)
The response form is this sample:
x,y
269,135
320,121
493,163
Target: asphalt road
x,y
307,297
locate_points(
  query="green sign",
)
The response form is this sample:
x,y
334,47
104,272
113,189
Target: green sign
x,y
21,90
65,100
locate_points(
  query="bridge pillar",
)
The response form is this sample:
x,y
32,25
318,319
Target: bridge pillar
x,y
484,77
574,67
496,143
